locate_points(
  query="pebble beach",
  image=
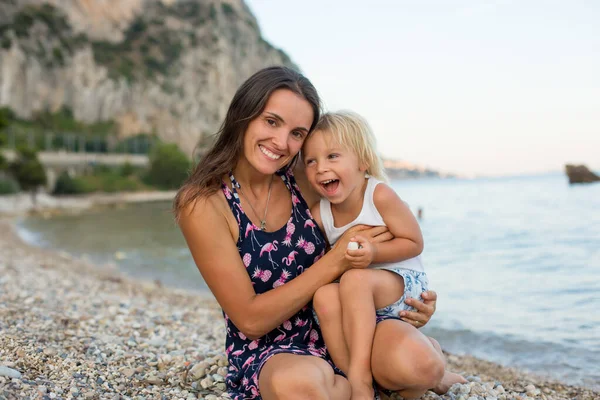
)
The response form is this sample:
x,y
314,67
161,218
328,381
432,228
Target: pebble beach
x,y
70,329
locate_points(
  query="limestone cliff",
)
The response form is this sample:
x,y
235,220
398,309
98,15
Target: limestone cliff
x,y
168,67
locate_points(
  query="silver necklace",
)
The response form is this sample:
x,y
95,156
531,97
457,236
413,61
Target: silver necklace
x,y
263,221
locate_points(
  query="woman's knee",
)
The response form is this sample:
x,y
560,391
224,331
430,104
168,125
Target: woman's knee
x,y
408,359
297,380
326,301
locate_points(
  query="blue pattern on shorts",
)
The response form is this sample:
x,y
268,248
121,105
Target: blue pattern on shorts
x,y
415,283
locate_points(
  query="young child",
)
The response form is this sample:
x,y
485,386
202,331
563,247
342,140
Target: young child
x,y
343,166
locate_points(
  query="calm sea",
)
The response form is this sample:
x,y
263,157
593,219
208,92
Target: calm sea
x,y
515,262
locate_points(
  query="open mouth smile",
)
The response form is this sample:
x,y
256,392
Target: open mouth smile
x,y
330,185
269,154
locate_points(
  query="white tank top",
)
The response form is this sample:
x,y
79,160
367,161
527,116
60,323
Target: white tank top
x,y
369,215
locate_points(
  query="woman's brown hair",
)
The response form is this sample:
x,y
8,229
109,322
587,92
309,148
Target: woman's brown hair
x,y
248,103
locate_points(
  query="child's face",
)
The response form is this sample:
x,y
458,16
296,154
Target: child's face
x,y
333,170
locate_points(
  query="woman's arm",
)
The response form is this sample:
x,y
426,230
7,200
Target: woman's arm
x,y
209,236
408,240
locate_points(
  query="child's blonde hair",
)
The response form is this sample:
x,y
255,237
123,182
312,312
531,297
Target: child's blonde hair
x,y
353,132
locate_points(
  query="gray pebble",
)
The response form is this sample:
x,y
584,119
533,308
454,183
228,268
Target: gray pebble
x,y
9,372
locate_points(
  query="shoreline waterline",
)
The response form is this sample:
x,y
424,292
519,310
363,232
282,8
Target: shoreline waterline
x,y
69,324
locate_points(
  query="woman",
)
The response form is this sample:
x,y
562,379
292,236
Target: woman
x,y
251,234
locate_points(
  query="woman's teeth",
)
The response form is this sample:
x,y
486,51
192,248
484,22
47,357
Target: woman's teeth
x,y
269,154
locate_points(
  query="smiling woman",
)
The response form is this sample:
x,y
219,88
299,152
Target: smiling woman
x,y
244,216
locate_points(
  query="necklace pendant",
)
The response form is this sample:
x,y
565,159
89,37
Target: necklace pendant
x,y
263,225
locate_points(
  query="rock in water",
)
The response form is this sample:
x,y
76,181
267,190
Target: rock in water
x,y
580,174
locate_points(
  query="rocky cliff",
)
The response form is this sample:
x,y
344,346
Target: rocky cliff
x,y
168,67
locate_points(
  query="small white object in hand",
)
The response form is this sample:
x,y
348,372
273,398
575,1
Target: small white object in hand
x,y
352,245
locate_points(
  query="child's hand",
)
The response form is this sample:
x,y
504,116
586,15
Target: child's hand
x,y
365,254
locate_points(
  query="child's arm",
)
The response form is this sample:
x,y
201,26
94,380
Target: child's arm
x,y
408,240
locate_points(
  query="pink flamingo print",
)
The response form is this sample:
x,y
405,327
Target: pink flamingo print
x,y
253,344
290,342
249,361
290,258
228,350
267,248
238,353
287,325
264,353
281,337
299,269
254,391
227,192
250,228
262,274
282,279
242,336
300,322
312,228
289,231
309,214
308,247
295,202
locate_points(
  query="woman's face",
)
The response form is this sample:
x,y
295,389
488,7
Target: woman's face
x,y
274,137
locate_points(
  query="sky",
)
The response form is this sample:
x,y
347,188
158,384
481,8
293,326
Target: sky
x,y
468,87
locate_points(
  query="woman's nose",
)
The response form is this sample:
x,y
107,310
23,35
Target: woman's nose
x,y
280,139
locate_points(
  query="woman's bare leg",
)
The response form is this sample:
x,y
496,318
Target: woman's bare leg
x,y
405,360
328,307
291,376
361,293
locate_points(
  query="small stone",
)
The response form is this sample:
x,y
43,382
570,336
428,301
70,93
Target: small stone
x,y
218,378
9,372
128,372
42,389
207,382
222,371
154,380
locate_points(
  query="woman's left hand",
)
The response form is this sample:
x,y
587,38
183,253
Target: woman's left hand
x,y
425,309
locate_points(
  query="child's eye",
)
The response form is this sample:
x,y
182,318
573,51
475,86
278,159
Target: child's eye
x,y
333,155
309,162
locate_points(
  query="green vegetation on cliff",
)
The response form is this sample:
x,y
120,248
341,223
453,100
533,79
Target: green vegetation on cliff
x,y
60,39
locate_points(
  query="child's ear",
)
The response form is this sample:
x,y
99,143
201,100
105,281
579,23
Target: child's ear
x,y
363,167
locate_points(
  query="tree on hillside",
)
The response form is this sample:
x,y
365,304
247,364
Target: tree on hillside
x,y
169,167
28,171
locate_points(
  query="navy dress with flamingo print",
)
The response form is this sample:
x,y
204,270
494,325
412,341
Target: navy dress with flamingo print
x,y
271,260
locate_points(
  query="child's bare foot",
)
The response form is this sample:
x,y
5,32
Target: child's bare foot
x,y
449,379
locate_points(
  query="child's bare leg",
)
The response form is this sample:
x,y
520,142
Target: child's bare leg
x,y
328,307
362,291
450,378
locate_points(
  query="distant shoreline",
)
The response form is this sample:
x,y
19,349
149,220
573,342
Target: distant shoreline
x,y
22,205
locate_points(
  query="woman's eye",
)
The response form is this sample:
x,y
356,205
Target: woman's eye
x,y
271,122
297,134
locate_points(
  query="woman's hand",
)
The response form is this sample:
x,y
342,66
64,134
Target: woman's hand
x,y
425,309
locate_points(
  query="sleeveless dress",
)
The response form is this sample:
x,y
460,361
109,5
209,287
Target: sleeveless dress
x,y
272,259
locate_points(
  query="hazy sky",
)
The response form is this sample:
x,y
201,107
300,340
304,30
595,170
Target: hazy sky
x,y
471,87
